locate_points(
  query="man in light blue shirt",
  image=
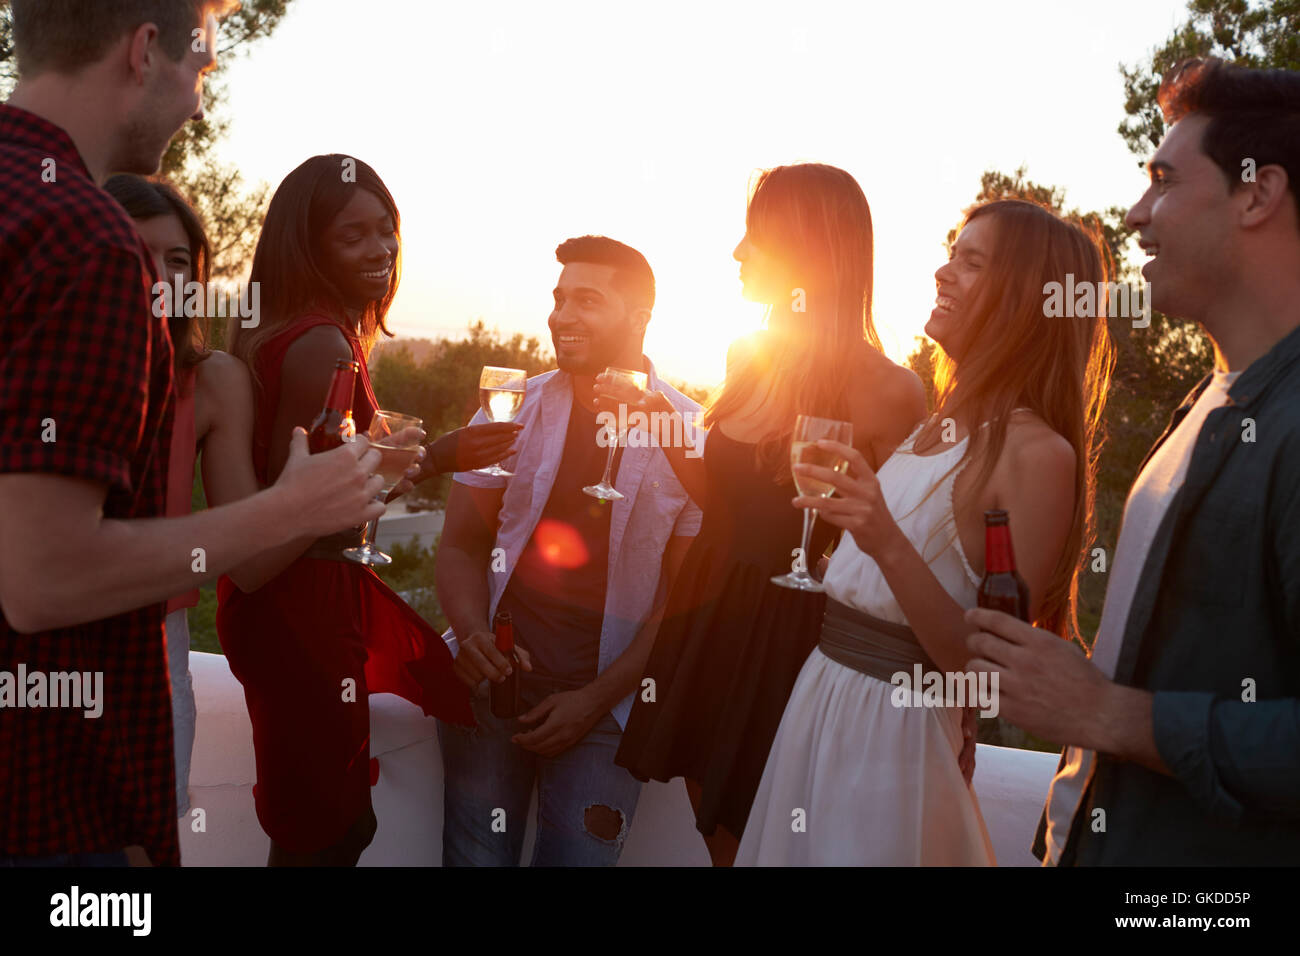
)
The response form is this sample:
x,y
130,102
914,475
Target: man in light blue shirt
x,y
584,580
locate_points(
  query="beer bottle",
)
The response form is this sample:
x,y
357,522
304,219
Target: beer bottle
x,y
1002,589
505,695
334,425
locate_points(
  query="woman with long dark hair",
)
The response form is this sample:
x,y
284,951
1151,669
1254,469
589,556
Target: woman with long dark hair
x,y
731,642
311,645
1020,397
179,244
214,416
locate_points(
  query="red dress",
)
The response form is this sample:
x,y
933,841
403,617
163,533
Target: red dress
x,y
296,641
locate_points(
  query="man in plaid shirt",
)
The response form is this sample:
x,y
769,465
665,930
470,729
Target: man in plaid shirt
x,y
86,559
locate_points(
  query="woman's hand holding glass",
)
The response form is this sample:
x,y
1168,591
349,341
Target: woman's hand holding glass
x,y
858,506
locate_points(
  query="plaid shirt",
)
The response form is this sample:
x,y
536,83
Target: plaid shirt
x,y
82,354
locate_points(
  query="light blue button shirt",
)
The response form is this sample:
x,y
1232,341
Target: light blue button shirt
x,y
656,508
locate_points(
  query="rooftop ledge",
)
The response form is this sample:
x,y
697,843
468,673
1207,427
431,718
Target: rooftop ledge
x,y
1011,786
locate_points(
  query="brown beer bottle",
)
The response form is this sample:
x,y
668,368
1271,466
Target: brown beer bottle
x,y
1002,589
334,424
505,695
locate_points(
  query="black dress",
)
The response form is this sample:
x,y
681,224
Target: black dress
x,y
731,644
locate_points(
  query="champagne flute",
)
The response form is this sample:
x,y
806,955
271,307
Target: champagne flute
x,y
397,439
501,395
606,491
804,451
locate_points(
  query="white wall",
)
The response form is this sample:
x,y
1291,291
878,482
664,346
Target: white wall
x,y
1011,785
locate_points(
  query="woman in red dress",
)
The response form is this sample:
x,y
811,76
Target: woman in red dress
x,y
313,643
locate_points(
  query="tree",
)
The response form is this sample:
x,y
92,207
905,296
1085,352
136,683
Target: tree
x,y
1265,35
232,213
443,388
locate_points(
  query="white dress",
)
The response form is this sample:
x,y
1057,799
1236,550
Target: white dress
x,y
877,784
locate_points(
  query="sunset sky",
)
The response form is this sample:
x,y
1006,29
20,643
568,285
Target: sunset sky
x,y
504,128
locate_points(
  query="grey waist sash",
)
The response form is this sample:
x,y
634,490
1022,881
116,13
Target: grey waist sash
x,y
869,645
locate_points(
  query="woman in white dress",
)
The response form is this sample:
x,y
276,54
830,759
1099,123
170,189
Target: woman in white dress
x,y
851,778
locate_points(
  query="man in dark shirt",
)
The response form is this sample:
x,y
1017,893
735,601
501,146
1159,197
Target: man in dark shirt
x,y
585,581
1184,727
558,587
85,419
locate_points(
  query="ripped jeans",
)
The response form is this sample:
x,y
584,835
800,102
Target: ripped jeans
x,y
585,802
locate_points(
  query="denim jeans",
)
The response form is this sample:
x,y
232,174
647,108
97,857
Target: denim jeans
x,y
184,712
114,858
488,781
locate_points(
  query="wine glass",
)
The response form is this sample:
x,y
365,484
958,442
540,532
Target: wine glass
x,y
501,395
804,451
397,439
605,491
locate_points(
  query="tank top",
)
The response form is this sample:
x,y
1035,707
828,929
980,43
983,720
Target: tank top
x,y
918,492
270,358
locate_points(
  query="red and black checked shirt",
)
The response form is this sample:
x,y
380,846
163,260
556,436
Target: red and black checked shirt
x,y
81,353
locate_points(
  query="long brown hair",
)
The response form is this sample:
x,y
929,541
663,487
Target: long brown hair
x,y
1015,357
815,220
289,265
148,198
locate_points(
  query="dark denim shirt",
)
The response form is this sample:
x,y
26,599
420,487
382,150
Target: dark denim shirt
x,y
1217,611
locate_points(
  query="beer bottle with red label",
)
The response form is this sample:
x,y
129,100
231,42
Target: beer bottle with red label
x,y
505,695
334,425
1002,589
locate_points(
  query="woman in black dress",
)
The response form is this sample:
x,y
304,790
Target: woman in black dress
x,y
732,643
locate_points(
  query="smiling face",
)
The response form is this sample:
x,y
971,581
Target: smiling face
x,y
592,327
1185,223
172,93
360,249
956,281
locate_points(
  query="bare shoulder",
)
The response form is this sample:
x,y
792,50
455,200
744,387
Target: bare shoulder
x,y
1034,449
888,391
222,374
320,343
223,393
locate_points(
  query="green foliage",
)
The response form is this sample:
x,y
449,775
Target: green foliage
x,y
995,185
922,362
411,573
8,67
232,213
1252,34
203,622
442,388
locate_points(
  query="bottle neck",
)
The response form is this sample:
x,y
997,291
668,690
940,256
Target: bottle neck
x,y
341,389
505,637
998,556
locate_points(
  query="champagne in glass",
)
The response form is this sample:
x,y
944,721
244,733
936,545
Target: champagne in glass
x,y
615,433
397,439
501,396
807,453
804,451
393,462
